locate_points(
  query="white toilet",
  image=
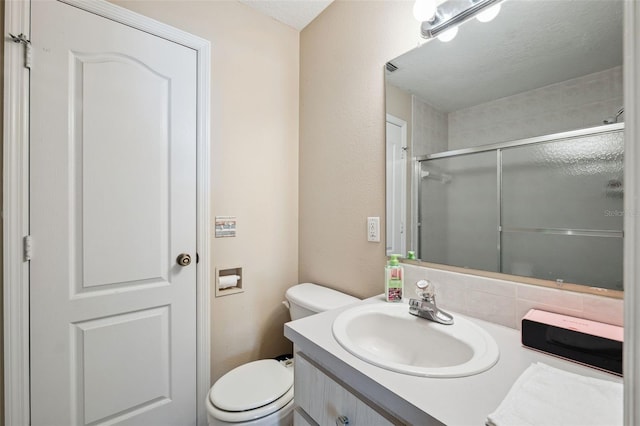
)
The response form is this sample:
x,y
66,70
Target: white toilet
x,y
261,392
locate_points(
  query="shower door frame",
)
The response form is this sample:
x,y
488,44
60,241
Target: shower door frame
x,y
554,137
498,148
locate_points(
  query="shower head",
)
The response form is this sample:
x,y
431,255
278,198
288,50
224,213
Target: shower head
x,y
612,120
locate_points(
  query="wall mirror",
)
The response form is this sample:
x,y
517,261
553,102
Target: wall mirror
x,y
505,145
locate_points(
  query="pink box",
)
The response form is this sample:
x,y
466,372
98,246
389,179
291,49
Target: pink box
x,y
581,325
584,341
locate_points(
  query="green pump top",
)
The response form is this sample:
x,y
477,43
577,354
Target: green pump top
x,y
394,260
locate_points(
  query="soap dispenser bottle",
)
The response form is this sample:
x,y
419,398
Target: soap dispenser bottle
x,y
394,280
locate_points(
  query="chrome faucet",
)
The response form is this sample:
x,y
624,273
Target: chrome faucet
x,y
426,306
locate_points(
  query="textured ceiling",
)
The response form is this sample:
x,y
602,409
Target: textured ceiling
x,y
530,44
295,13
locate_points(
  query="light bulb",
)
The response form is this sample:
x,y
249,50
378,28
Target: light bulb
x,y
489,14
448,35
424,10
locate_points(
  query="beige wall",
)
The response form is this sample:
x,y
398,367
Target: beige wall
x,y
254,123
342,115
342,139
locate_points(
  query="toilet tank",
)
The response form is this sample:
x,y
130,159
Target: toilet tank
x,y
307,299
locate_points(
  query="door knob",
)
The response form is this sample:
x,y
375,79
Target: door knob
x,y
184,259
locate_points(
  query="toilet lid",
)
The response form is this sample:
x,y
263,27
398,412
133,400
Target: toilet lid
x,y
251,385
318,298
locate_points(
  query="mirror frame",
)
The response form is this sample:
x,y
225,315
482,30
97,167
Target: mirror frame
x,y
577,288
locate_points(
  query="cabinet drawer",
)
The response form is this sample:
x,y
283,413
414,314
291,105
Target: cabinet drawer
x,y
325,400
300,418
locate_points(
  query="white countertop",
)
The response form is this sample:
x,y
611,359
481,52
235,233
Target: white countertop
x,y
424,400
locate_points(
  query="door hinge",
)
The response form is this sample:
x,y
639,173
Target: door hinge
x,y
27,249
27,47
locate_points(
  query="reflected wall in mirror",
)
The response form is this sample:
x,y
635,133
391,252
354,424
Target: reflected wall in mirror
x,y
505,145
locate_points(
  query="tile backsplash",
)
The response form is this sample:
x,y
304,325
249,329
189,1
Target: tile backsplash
x,y
506,302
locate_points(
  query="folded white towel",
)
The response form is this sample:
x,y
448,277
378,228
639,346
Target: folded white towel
x,y
547,396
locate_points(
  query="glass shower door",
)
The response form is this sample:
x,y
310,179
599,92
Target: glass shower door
x,y
451,189
577,236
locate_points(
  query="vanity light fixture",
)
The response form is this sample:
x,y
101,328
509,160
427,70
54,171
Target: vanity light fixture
x,y
452,13
424,10
448,35
489,14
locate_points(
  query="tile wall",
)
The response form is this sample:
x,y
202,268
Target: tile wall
x,y
506,302
573,104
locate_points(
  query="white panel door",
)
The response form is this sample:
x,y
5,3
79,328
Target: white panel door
x,y
396,188
113,204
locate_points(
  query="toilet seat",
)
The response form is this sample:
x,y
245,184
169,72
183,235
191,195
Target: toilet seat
x,y
257,413
251,391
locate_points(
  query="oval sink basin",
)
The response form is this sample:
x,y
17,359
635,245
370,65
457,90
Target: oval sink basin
x,y
388,336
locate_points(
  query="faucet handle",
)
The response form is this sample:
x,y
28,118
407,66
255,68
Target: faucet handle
x,y
425,290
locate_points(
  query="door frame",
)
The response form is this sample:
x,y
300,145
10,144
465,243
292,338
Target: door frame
x,y
16,199
631,355
396,121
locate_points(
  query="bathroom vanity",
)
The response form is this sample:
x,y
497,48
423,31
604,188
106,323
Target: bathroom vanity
x,y
334,386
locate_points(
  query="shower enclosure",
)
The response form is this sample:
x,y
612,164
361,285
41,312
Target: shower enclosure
x,y
549,207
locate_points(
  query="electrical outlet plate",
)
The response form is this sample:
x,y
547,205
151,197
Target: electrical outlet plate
x,y
373,229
